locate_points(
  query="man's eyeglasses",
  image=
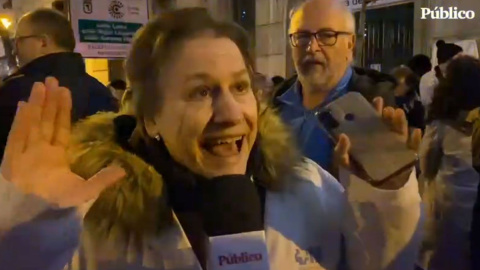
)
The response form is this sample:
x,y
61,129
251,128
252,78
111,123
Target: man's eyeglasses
x,y
323,38
19,38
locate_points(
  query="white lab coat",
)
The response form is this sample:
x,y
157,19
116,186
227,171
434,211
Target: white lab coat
x,y
304,228
428,82
450,194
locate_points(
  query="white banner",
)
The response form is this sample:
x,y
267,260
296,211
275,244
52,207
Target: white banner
x,y
356,5
104,28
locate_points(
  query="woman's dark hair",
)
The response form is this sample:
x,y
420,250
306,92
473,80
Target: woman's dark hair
x,y
458,91
157,43
118,84
420,64
277,80
446,51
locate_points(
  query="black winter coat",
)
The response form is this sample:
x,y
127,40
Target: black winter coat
x,y
89,96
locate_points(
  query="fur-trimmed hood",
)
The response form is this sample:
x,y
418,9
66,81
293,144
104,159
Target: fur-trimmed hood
x,y
137,204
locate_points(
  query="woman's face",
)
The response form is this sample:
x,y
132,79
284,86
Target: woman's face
x,y
208,118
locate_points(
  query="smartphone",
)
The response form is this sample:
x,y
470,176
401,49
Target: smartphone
x,y
375,148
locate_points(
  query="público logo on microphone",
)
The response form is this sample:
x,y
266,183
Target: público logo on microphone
x,y
450,13
244,257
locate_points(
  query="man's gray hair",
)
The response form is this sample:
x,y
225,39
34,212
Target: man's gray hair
x,y
349,17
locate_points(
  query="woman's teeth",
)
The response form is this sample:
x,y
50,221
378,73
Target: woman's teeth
x,y
229,140
225,147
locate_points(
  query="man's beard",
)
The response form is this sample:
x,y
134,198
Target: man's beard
x,y
317,77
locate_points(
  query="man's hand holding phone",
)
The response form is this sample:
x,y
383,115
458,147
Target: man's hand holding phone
x,y
396,120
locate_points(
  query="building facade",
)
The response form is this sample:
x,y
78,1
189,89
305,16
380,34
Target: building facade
x,y
406,33
464,32
267,22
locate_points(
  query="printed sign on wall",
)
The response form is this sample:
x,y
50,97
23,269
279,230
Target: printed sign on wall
x,y
356,5
105,28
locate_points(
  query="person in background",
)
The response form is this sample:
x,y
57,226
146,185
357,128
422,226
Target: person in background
x,y
44,44
118,88
446,165
277,80
407,98
205,158
264,86
322,39
428,82
420,64
475,235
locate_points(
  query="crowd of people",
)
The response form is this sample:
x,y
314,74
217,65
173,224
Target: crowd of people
x,y
205,146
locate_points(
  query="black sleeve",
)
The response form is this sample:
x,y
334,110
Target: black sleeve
x,y
101,99
11,93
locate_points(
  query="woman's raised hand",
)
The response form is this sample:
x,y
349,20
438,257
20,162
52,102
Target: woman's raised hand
x,y
35,159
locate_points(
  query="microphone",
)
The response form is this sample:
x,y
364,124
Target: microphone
x,y
233,221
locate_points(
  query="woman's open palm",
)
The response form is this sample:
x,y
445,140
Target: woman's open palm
x,y
35,159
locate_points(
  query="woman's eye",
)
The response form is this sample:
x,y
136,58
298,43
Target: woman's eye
x,y
201,92
242,87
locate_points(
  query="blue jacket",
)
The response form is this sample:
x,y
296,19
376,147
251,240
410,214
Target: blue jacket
x,y
312,139
89,96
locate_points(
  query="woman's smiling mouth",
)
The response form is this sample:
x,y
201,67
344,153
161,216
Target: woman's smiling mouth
x,y
224,146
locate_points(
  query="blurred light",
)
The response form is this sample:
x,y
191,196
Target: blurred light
x,y
6,22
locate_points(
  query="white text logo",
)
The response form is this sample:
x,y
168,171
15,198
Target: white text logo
x,y
451,13
235,259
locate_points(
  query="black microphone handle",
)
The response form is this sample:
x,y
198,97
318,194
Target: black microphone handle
x,y
230,205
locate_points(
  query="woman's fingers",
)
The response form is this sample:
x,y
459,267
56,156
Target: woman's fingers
x,y
63,118
17,140
91,189
378,105
35,106
341,150
49,109
387,115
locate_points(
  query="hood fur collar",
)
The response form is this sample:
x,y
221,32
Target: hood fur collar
x,y
137,204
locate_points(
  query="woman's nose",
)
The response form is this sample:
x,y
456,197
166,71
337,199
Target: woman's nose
x,y
226,109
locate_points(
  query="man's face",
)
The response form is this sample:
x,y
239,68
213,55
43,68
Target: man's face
x,y
208,119
28,44
321,62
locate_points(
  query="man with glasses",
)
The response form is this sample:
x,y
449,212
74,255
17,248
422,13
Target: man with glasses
x,y
322,39
44,44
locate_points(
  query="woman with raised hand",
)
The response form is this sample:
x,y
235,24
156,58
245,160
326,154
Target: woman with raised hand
x,y
36,180
201,159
